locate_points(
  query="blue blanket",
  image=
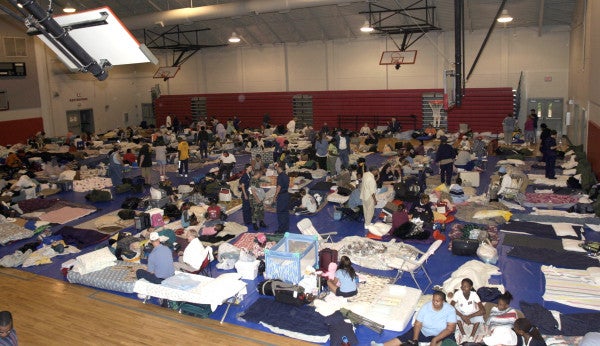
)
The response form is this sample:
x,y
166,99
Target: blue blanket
x,y
303,319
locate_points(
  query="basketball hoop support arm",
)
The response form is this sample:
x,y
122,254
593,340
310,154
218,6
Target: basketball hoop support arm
x,y
59,36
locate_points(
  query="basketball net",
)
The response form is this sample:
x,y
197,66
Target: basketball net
x,y
436,109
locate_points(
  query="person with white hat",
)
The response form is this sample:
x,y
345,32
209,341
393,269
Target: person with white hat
x,y
160,262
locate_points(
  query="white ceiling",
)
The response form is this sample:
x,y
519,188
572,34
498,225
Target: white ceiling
x,y
341,20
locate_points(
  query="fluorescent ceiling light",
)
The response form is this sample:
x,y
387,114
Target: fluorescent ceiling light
x,y
234,38
505,17
366,27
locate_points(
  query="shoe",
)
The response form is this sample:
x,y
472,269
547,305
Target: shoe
x,y
263,224
142,296
255,226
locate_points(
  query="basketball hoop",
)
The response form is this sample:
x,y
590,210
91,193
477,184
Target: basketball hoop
x,y
436,109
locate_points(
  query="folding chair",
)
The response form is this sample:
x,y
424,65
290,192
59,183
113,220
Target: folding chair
x,y
306,227
413,265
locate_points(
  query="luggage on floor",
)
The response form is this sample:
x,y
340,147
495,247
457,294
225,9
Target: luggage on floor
x,y
190,309
142,222
266,287
327,256
289,294
464,247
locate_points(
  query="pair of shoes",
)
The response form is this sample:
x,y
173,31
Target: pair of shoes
x,y
255,226
263,224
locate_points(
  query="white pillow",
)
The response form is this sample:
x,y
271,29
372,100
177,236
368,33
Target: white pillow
x,y
94,261
563,229
572,245
379,228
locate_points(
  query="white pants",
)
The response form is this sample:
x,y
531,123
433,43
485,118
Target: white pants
x,y
368,210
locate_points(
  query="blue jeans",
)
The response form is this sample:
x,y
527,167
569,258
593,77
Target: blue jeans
x,y
144,274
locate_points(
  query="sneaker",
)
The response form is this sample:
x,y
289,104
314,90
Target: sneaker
x,y
142,296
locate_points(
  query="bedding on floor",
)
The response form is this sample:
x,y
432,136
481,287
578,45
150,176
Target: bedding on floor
x,y
578,288
79,237
547,200
108,223
552,230
10,232
197,289
559,258
299,322
119,278
65,215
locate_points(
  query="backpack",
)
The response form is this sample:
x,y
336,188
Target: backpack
x,y
289,293
592,247
266,287
99,196
126,214
130,203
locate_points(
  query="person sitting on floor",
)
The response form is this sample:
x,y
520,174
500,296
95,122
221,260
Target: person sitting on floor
x,y
401,224
214,214
226,163
13,161
464,159
422,210
344,284
469,308
528,334
194,254
435,322
160,262
502,315
308,204
129,157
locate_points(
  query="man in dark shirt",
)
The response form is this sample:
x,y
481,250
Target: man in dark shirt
x,y
282,198
445,158
546,133
244,186
203,138
550,145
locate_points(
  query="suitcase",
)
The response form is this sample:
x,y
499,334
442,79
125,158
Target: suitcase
x,y
142,222
327,256
190,309
464,247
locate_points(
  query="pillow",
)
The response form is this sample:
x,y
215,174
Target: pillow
x,y
563,229
94,261
572,245
209,231
488,214
379,228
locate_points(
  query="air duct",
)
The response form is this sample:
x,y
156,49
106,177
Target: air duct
x,y
234,9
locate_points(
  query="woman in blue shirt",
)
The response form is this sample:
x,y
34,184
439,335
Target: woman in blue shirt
x,y
345,281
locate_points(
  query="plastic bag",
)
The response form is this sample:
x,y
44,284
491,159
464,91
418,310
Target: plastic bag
x,y
487,253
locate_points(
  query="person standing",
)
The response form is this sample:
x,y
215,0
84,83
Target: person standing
x,y
8,335
257,198
445,158
508,127
160,151
169,122
115,167
183,150
368,189
546,133
291,126
529,130
203,138
534,116
550,153
321,146
342,142
175,124
160,262
282,196
145,162
244,186
394,126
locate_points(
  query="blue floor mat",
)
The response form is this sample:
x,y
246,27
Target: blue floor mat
x,y
523,279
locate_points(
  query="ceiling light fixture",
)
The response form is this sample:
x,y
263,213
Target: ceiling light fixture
x,y
505,17
366,27
234,38
68,8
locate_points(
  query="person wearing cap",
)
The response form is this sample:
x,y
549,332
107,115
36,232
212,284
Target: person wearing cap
x,y
8,335
282,196
160,262
368,189
183,150
435,322
445,158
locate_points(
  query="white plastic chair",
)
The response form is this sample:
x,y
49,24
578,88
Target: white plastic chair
x,y
306,227
405,264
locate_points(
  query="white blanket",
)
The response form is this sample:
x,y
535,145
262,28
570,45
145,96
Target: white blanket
x,y
208,291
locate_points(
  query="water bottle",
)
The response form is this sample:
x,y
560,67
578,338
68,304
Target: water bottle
x,y
345,341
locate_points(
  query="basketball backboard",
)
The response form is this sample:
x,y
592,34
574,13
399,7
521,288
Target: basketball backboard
x,y
396,57
166,72
449,89
102,35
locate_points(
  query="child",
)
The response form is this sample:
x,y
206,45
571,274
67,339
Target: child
x,y
345,282
214,215
503,314
469,308
308,205
528,334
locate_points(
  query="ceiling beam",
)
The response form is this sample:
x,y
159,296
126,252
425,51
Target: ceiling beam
x,y
154,5
292,23
350,31
324,34
541,18
270,29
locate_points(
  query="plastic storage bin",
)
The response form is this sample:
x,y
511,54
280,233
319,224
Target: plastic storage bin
x,y
288,259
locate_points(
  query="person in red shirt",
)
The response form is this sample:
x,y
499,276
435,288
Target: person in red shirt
x,y
129,157
214,214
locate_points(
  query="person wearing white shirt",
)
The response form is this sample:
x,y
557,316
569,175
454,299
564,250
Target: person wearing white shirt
x,y
308,204
226,163
194,254
368,189
168,122
291,126
365,130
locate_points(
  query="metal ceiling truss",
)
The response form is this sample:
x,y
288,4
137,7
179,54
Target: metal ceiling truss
x,y
183,43
417,18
